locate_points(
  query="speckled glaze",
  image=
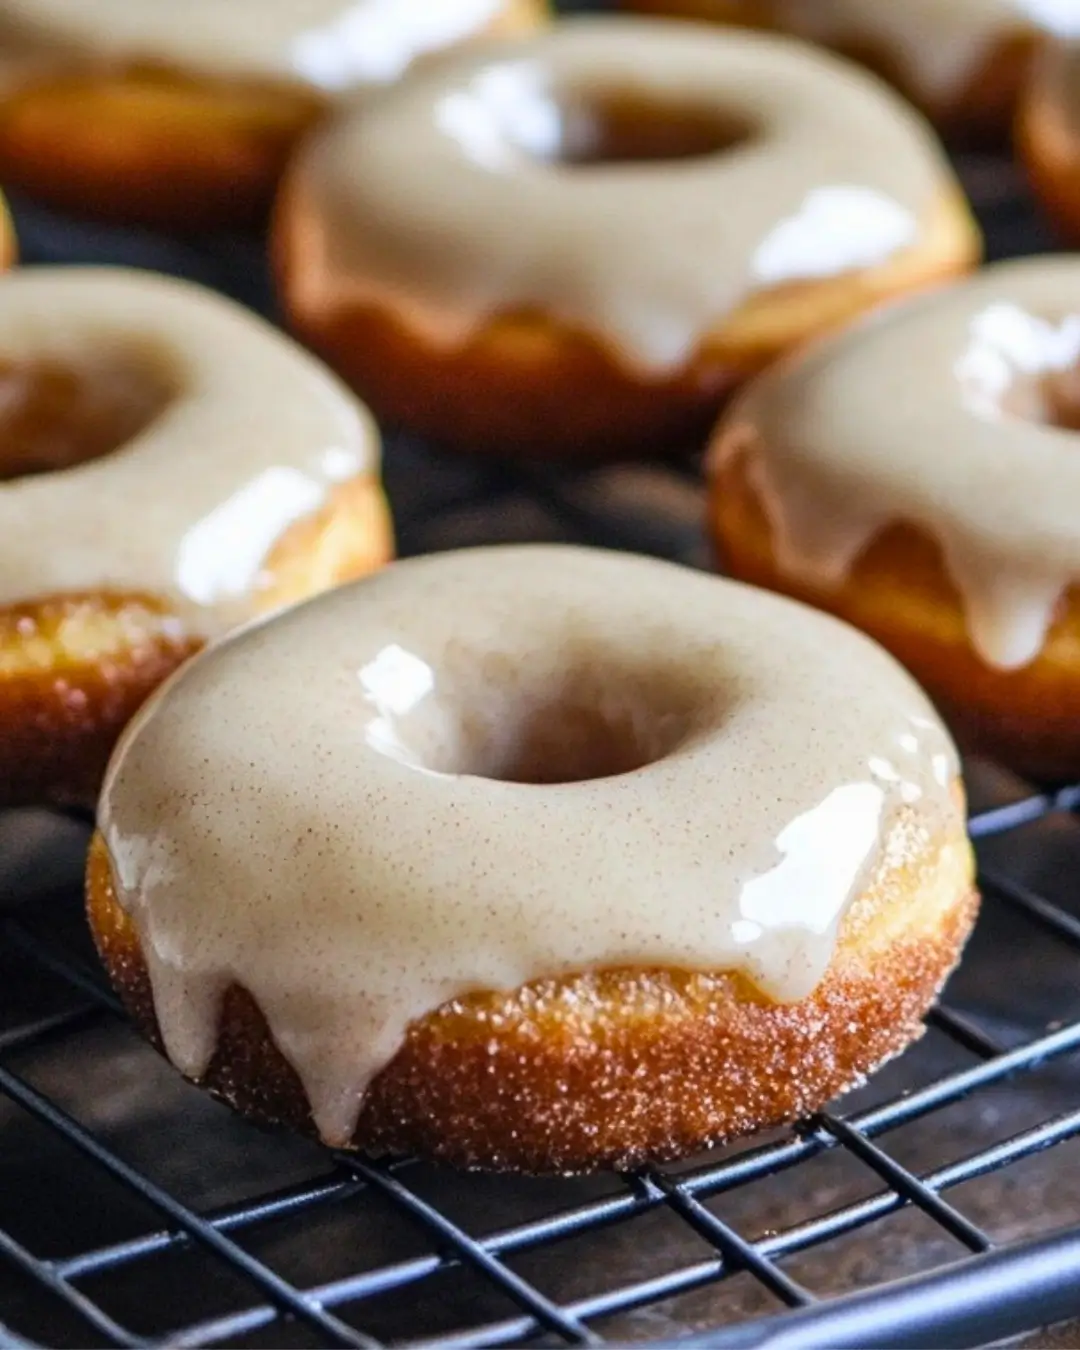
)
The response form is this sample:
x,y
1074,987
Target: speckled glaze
x,y
255,436
327,44
448,202
939,46
937,413
358,810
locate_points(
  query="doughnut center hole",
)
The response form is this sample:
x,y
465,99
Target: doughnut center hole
x,y
57,413
589,129
572,741
513,718
627,128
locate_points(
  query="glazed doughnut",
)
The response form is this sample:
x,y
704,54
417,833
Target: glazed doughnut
x,y
617,860
182,115
579,243
918,476
962,61
1048,134
170,467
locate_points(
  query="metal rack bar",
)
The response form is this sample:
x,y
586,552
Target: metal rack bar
x,y
984,1298
798,1238
1002,819
710,1180
45,1274
964,1032
1049,916
65,967
470,1253
279,1206
736,1251
902,1181
279,1291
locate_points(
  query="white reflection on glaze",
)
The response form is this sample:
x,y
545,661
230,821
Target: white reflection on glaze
x,y
835,230
1005,341
394,682
825,851
221,555
1061,17
503,111
373,41
338,464
886,772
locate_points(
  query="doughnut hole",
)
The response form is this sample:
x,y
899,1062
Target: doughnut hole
x,y
56,414
513,110
540,727
624,127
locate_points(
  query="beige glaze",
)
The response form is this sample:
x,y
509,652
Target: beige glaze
x,y
934,413
447,200
255,436
939,46
319,808
328,44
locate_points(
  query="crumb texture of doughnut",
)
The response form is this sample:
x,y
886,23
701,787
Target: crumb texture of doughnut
x,y
578,243
917,476
615,861
1048,135
169,467
183,116
963,61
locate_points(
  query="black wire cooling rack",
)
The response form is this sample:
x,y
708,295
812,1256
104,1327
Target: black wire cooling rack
x,y
937,1206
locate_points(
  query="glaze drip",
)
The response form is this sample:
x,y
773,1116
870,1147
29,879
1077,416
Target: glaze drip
x,y
821,173
251,436
375,803
949,413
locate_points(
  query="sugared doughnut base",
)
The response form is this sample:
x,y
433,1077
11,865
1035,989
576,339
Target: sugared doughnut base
x,y
613,1068
73,671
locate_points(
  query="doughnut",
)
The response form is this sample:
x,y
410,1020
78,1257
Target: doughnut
x,y
616,860
578,243
917,475
964,62
1048,134
169,467
181,115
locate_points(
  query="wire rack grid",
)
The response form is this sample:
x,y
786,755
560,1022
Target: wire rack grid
x,y
934,1207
